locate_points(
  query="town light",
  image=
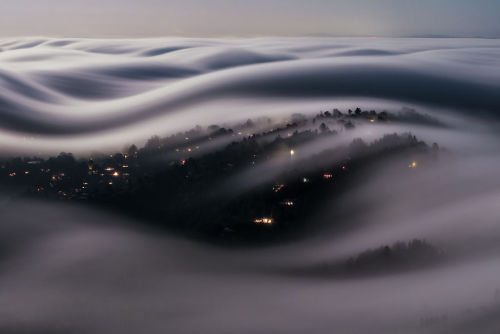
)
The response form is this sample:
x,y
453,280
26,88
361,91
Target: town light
x,y
278,187
263,220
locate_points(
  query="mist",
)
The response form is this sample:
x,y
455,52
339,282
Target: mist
x,y
100,93
67,267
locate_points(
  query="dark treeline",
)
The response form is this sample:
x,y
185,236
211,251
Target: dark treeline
x,y
180,182
384,260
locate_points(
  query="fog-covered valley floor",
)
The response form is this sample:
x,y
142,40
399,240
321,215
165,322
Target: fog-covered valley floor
x,y
72,268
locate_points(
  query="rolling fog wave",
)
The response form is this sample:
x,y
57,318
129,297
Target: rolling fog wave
x,y
74,269
85,271
82,88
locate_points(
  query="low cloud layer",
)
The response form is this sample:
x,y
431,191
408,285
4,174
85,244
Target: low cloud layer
x,y
81,89
81,270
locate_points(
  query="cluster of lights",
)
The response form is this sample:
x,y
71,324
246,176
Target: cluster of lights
x,y
327,176
413,165
263,221
278,187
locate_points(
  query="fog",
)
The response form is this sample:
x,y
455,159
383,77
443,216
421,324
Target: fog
x,y
68,268
101,93
86,271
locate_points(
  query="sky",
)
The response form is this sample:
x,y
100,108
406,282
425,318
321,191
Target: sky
x,y
243,18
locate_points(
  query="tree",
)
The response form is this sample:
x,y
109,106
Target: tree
x,y
323,128
153,143
132,150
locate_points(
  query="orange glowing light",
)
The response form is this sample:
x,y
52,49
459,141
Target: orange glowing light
x,y
278,187
264,220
